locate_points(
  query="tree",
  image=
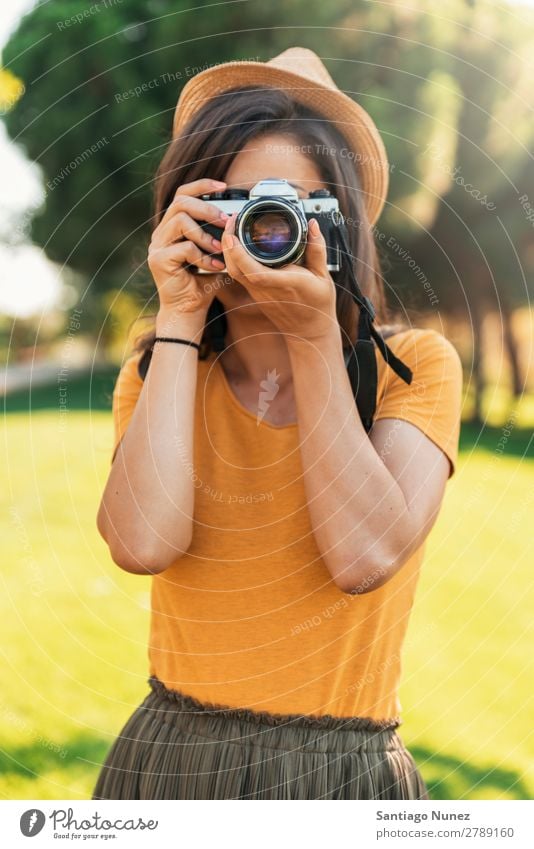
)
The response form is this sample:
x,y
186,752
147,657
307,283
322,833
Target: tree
x,y
449,90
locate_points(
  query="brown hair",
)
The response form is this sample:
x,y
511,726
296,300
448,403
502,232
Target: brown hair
x,y
219,130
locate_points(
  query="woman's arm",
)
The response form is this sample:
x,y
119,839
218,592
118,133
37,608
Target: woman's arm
x,y
370,506
146,511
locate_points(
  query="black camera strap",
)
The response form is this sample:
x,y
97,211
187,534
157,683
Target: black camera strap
x,y
360,357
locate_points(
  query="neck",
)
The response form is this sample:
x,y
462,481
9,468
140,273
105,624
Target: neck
x,y
254,346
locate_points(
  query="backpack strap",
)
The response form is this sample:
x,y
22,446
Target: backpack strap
x,y
360,358
144,362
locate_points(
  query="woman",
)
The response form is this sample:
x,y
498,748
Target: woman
x,y
284,533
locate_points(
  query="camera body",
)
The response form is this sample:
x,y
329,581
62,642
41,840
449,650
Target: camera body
x,y
272,222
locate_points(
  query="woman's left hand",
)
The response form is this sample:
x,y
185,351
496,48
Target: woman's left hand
x,y
300,300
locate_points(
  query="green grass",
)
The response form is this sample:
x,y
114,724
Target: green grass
x,y
468,669
75,626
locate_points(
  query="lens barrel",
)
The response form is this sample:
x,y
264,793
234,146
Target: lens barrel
x,y
272,230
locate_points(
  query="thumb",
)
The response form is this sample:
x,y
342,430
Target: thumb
x,y
315,253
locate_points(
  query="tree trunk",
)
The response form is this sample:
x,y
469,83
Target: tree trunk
x,y
510,344
478,365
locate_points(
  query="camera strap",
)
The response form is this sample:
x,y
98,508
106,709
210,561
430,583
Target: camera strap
x,y
360,358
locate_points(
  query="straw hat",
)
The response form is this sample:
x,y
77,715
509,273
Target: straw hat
x,y
300,72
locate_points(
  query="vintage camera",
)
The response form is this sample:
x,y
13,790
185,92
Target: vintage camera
x,y
272,222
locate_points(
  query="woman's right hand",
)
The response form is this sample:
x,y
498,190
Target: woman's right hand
x,y
178,239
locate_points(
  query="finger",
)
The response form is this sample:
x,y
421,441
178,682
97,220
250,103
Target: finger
x,y
227,242
239,263
315,252
190,191
174,256
201,187
202,210
182,226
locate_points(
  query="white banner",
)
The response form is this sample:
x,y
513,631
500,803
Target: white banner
x,y
275,825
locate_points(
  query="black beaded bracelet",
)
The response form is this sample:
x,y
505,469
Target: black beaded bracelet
x,y
180,341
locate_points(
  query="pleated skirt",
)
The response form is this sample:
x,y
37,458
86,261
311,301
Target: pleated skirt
x,y
175,747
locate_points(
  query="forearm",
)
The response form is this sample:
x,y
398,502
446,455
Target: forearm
x,y
146,513
357,510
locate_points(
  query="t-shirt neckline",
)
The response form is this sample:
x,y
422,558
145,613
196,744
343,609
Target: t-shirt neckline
x,y
243,410
237,403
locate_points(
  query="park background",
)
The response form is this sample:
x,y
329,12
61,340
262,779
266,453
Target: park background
x,y
87,92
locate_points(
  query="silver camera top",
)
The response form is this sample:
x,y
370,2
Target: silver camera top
x,y
319,201
273,187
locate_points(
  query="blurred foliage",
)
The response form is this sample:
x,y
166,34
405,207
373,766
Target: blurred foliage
x,y
11,89
121,321
448,87
17,338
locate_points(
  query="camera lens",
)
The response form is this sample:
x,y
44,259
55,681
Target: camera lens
x,y
270,233
273,232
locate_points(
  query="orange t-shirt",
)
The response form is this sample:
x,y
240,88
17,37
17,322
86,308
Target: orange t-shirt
x,y
250,616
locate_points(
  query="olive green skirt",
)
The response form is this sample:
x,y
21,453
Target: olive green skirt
x,y
175,747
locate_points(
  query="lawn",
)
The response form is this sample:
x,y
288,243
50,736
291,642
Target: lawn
x,y
75,626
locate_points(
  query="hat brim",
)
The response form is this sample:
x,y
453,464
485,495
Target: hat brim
x,y
364,143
